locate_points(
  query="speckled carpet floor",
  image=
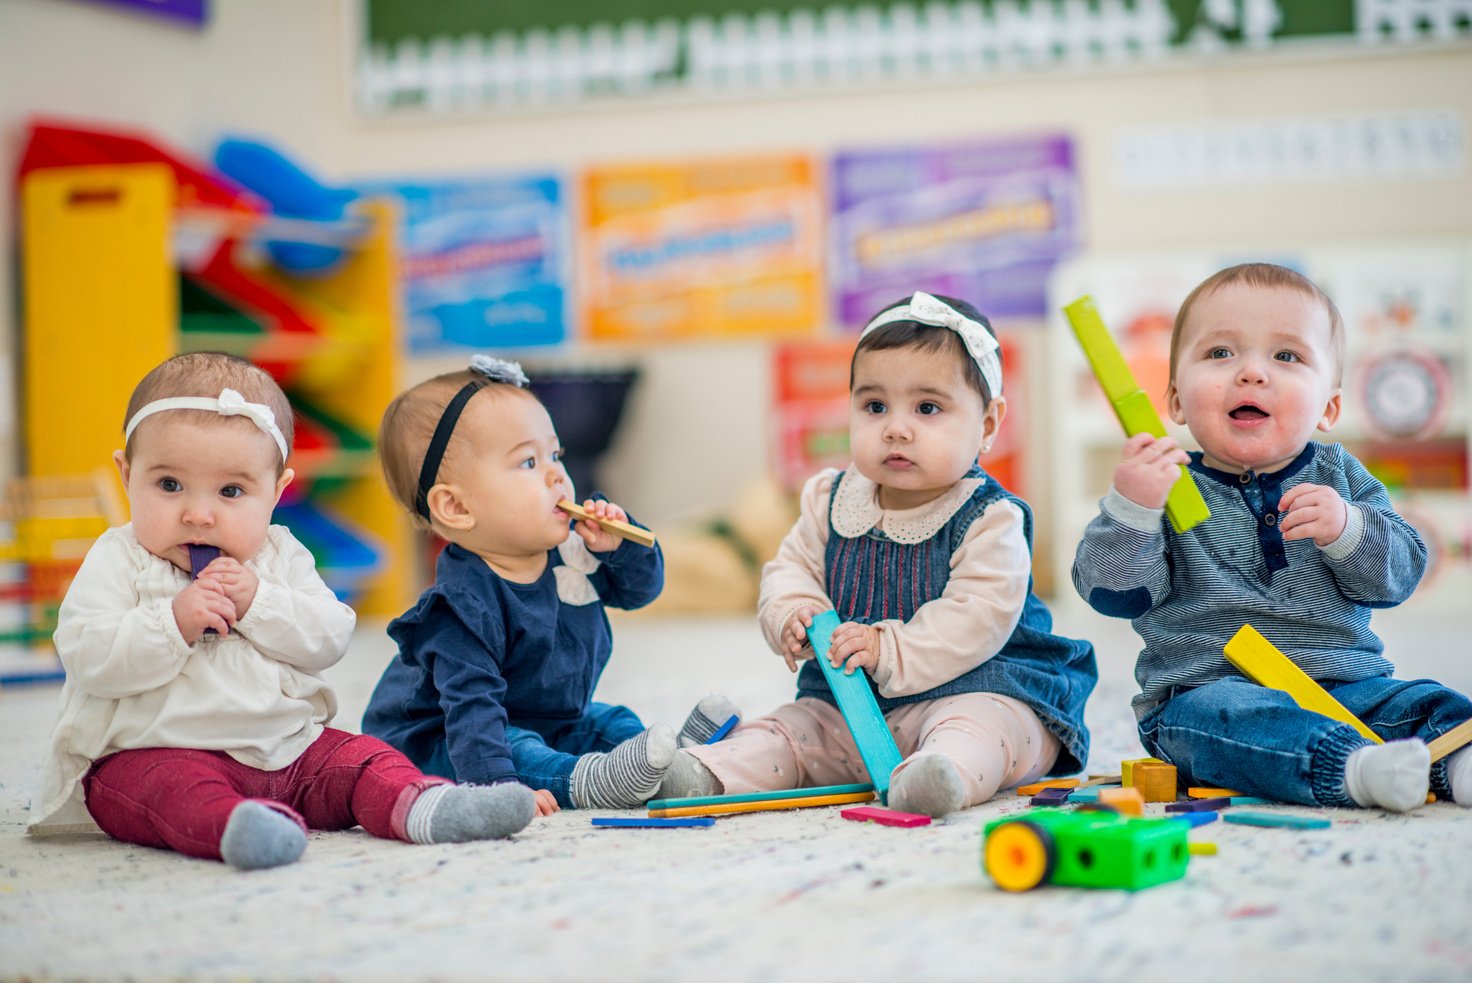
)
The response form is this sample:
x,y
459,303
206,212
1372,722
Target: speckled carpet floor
x,y
800,895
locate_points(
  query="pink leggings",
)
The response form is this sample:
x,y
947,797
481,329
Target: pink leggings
x,y
180,799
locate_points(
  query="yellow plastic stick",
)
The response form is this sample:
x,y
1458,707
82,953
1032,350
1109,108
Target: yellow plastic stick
x,y
1259,660
1184,506
624,529
764,805
1451,740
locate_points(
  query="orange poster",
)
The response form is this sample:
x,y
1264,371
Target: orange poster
x,y
712,249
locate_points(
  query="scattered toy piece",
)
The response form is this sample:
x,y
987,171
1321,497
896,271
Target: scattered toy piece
x,y
1451,740
885,817
724,729
1036,787
1156,780
624,530
1260,660
790,793
1210,792
1201,849
1196,818
1127,800
1197,805
1275,819
1051,796
765,805
653,823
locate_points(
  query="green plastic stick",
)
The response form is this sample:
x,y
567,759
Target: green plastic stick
x,y
859,708
1184,506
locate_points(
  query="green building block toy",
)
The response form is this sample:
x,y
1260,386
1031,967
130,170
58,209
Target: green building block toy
x,y
1086,848
1184,506
859,708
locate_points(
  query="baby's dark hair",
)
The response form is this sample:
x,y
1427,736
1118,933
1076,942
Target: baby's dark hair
x,y
929,338
205,374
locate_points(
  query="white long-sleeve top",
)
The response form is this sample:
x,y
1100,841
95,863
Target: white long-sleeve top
x,y
951,635
133,682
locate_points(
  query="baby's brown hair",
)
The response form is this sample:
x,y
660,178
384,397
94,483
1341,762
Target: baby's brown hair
x,y
206,374
1268,276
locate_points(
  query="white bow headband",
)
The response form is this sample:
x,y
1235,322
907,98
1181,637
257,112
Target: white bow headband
x,y
925,309
228,403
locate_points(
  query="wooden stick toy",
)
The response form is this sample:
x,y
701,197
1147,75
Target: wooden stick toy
x,y
764,805
624,530
1259,660
789,793
859,707
885,817
1184,506
1451,740
636,822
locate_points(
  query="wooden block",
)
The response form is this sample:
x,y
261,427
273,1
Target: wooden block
x,y
1453,739
1051,796
1037,787
651,822
1127,769
885,817
1197,805
1155,780
860,709
1086,793
1196,818
765,805
1259,660
1210,792
1275,819
790,793
624,530
1184,505
1126,800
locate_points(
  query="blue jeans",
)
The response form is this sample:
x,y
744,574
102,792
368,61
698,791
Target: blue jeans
x,y
546,761
1236,734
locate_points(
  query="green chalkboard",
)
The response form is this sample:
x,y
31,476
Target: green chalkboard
x,y
389,21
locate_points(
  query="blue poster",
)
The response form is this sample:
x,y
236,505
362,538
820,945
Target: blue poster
x,y
483,261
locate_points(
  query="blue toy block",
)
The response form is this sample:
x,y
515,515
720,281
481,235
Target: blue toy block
x,y
725,728
1196,818
1198,805
1089,793
859,707
652,823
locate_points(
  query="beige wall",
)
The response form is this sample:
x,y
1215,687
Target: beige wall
x,y
278,69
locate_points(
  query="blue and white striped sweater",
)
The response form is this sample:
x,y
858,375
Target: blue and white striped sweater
x,y
1189,593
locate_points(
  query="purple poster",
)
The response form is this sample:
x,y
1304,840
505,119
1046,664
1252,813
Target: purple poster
x,y
984,222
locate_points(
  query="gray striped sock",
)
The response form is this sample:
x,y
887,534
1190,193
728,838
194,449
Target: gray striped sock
x,y
709,714
625,777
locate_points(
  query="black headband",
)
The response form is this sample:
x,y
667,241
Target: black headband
x,y
441,439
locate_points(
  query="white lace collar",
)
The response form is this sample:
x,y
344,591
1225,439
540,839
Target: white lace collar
x,y
856,510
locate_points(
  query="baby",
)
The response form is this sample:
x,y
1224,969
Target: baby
x,y
194,716
498,661
1302,543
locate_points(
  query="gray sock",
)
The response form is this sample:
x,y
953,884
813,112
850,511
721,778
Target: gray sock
x,y
709,715
930,785
625,777
688,776
258,836
461,813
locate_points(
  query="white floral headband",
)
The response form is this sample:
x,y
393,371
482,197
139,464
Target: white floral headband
x,y
228,403
925,309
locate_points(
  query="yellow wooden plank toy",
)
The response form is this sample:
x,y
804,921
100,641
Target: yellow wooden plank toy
x,y
622,529
1259,660
1451,740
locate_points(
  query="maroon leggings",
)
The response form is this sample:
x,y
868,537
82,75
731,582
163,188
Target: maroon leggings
x,y
180,799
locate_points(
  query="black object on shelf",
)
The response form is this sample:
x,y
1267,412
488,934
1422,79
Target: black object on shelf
x,y
585,407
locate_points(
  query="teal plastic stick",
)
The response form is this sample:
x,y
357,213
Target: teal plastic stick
x,y
1275,819
791,793
859,708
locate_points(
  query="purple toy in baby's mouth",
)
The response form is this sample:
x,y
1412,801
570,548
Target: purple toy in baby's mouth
x,y
200,556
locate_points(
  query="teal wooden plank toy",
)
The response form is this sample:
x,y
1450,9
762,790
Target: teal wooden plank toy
x,y
1275,819
859,708
791,793
1184,506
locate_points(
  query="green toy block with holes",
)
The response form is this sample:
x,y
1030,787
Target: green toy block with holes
x,y
1086,848
859,708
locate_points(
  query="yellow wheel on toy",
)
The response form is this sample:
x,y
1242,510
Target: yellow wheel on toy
x,y
1019,856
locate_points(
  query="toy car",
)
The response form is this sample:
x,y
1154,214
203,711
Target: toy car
x,y
1083,848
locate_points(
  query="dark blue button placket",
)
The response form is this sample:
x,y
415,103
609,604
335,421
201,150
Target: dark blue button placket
x,y
1262,493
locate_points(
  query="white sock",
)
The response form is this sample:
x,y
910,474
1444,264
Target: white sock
x,y
1395,775
929,784
1459,776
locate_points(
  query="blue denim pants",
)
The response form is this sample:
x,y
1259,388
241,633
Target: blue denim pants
x,y
1235,734
547,761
